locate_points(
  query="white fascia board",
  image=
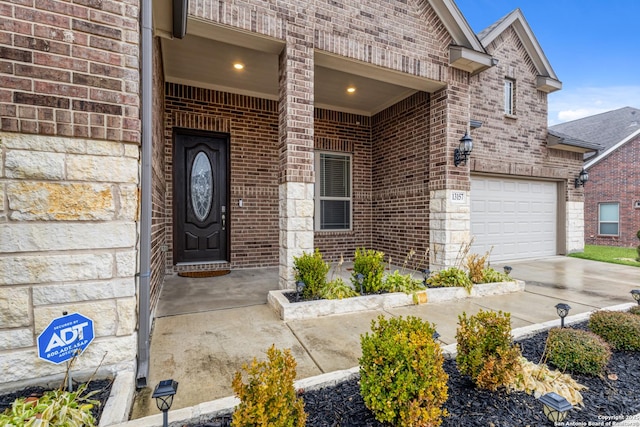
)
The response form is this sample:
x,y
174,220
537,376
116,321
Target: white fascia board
x,y
456,24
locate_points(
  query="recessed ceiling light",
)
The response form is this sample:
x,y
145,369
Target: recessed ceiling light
x,y
351,89
238,66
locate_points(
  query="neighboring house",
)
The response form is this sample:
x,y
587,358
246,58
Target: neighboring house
x,y
242,133
612,193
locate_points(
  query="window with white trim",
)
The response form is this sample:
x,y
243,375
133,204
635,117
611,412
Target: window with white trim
x,y
608,219
333,191
509,96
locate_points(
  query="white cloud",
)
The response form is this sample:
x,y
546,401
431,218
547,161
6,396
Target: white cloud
x,y
575,103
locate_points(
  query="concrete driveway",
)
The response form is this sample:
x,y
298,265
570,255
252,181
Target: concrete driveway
x,y
201,350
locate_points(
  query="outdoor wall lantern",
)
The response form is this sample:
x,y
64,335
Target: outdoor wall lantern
x,y
425,276
164,392
582,178
507,269
360,280
299,288
636,295
563,310
461,154
555,407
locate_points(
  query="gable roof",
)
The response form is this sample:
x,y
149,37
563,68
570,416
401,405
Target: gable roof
x,y
611,130
547,80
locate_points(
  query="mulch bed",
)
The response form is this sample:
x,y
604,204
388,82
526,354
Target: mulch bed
x,y
606,400
102,387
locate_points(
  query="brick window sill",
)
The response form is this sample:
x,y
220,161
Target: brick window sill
x,y
510,116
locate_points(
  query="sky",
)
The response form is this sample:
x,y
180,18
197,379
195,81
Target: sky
x,y
592,45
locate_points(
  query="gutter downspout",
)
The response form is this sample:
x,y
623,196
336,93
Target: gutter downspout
x,y
144,276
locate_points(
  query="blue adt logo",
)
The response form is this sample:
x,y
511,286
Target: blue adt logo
x,y
65,337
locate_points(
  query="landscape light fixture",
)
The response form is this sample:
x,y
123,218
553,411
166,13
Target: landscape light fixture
x,y
360,280
582,178
636,295
425,276
461,154
507,269
299,288
435,335
164,392
555,407
563,310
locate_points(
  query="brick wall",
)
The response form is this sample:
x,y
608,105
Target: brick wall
x,y
400,173
614,179
367,31
159,246
516,144
70,69
347,133
253,126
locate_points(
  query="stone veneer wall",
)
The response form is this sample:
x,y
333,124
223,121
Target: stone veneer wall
x,y
69,152
68,244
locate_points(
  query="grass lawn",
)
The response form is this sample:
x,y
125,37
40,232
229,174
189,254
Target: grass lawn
x,y
610,254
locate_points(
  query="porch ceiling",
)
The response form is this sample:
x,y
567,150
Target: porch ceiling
x,y
206,55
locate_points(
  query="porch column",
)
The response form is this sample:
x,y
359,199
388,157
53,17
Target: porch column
x,y
296,149
449,204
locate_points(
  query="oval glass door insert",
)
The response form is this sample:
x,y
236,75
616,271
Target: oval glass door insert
x,y
201,186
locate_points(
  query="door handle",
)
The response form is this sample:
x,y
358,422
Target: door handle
x,y
224,221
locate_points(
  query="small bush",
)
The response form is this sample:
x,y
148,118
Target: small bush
x,y
312,270
489,275
476,265
485,352
402,379
269,398
618,328
450,277
398,282
577,351
337,289
635,310
370,264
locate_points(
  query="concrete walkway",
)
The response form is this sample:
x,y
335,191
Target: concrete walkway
x,y
203,349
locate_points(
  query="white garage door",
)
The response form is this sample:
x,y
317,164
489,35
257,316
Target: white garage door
x,y
517,217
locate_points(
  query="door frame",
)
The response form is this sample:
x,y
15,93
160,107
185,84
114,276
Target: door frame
x,y
176,131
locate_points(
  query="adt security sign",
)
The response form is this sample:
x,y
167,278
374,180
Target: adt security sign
x,y
65,337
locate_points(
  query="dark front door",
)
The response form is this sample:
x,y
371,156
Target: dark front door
x,y
201,196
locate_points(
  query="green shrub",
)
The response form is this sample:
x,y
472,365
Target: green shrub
x,y
489,275
398,282
635,310
312,270
618,328
54,408
485,352
577,351
337,289
269,398
450,277
370,264
402,379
